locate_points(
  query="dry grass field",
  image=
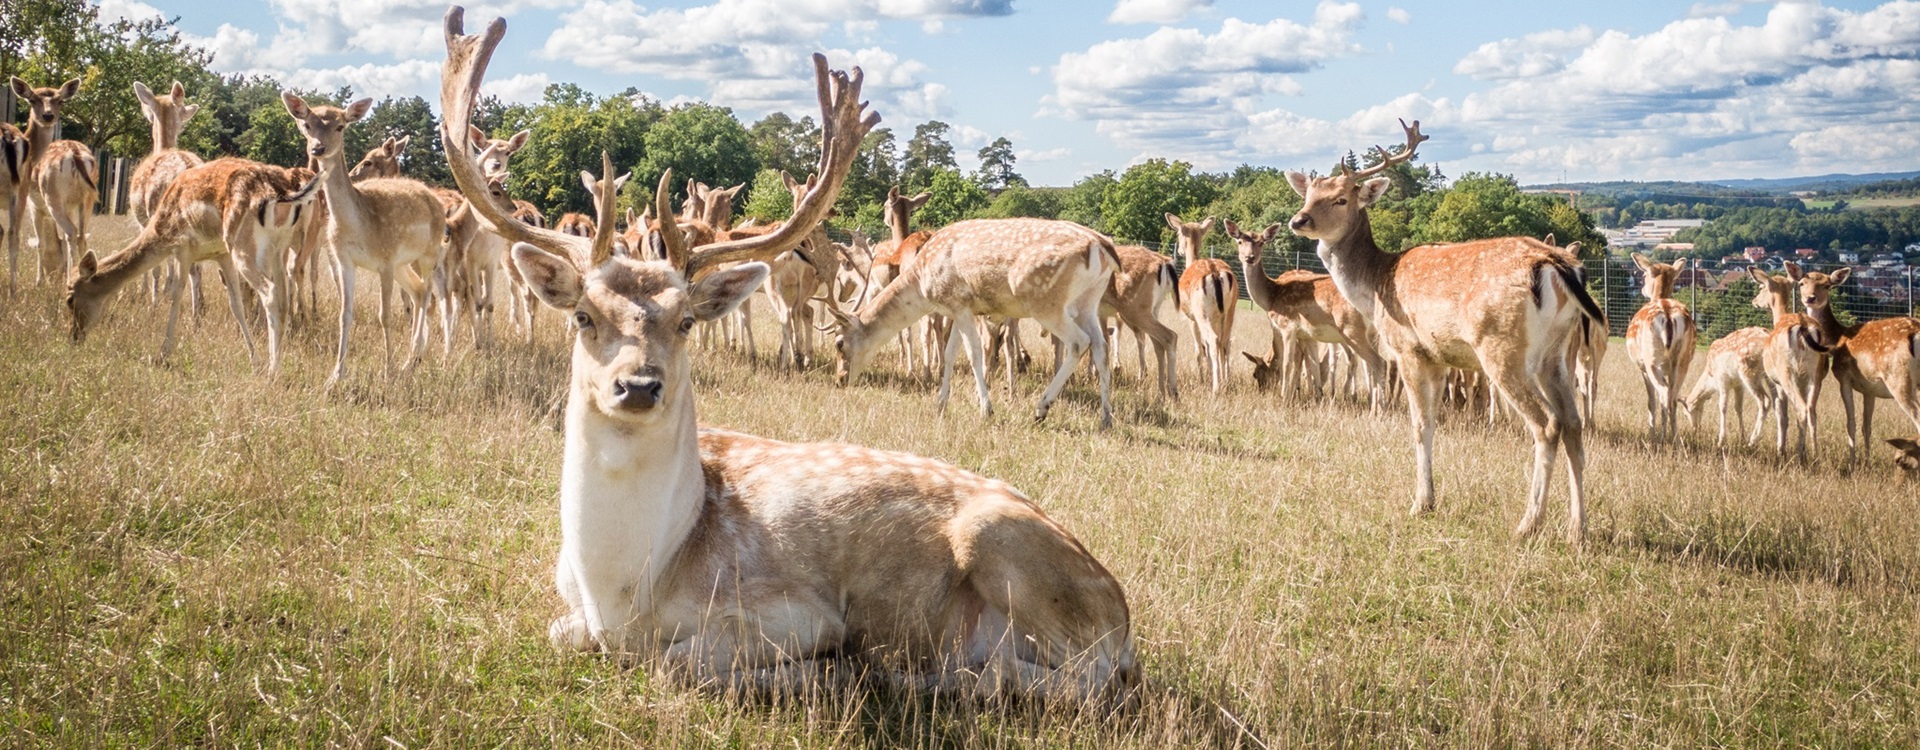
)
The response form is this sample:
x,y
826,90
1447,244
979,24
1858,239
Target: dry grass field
x,y
195,555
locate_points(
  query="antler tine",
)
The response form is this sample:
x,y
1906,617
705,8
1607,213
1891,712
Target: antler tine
x,y
670,236
603,223
1388,159
466,67
845,122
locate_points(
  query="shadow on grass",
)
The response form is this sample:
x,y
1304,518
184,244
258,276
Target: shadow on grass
x,y
1792,551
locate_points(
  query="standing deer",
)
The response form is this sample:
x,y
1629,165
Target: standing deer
x,y
237,213
62,174
14,185
1876,359
1736,363
740,561
1307,307
1796,360
391,226
1208,295
1660,341
1505,306
1055,272
1143,280
168,115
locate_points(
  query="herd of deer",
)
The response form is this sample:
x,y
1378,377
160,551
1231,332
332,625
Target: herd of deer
x,y
745,562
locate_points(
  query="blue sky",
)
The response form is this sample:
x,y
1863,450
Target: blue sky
x,y
1627,89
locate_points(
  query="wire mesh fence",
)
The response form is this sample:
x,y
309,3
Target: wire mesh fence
x,y
1721,297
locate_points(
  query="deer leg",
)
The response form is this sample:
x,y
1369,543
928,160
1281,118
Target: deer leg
x,y
1423,380
1090,324
16,210
343,271
176,291
239,308
1866,420
1067,337
1653,418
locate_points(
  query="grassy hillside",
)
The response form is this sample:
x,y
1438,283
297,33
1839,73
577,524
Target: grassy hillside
x,y
195,555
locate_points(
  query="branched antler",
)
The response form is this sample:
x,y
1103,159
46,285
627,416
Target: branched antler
x,y
1388,158
844,123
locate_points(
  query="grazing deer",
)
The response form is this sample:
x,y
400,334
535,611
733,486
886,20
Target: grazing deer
x,y
1506,306
168,115
1143,281
1309,307
739,561
1796,360
1736,363
237,213
1055,272
1906,455
391,226
896,253
1660,341
1208,295
1876,359
63,184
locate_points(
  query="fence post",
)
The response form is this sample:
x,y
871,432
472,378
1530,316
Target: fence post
x,y
1911,307
1606,290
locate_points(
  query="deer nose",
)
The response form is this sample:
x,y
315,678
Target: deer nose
x,y
637,393
318,151
1300,221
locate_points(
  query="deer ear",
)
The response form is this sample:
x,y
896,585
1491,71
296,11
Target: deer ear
x,y
1680,265
1642,262
722,291
551,278
1253,359
519,140
1373,190
187,112
1905,445
1174,222
1549,240
400,144
86,268
913,203
20,88
1299,182
68,89
620,182
475,134
1233,230
587,180
1794,272
1271,230
295,105
145,95
1206,226
1840,277
1759,276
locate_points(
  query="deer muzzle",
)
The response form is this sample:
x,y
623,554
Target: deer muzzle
x,y
1300,221
637,393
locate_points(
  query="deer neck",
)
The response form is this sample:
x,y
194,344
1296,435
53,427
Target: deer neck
x,y
147,250
1362,271
165,138
1780,306
894,307
1831,331
1261,288
345,205
629,494
39,139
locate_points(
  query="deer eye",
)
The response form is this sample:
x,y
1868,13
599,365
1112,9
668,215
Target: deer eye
x,y
1339,201
582,319
686,324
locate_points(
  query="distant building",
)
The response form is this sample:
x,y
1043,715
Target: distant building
x,y
1652,232
1755,254
1677,247
1849,258
1805,252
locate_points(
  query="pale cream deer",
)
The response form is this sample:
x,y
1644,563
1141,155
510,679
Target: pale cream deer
x,y
14,185
167,114
1796,361
394,227
1208,296
1143,281
736,560
1660,341
1054,272
63,179
237,213
1736,367
920,349
1308,307
1505,306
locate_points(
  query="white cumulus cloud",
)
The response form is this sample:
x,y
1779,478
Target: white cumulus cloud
x,y
1155,11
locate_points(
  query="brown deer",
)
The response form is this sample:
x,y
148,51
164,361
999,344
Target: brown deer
x,y
168,115
1796,360
63,184
1736,363
1507,306
240,214
394,227
14,185
1308,306
1876,359
382,160
1660,341
1144,280
1054,272
1208,295
741,561
576,224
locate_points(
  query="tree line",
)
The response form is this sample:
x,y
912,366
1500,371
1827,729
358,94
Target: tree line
x,y
55,40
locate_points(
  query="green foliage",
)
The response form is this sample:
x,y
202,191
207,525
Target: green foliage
x,y
996,166
226,112
1136,207
954,198
1786,229
570,129
1082,203
272,137
927,154
1255,197
875,169
782,143
48,42
1021,201
699,142
768,199
1479,206
424,159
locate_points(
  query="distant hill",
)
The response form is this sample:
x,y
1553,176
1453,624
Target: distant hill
x,y
1747,188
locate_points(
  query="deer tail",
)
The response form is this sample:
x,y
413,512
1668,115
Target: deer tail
x,y
1172,282
1219,291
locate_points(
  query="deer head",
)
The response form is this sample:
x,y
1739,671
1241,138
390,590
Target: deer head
x,y
1190,236
1659,278
1266,374
1815,288
324,127
1332,207
1775,293
168,113
503,148
44,104
896,211
382,160
719,213
1250,245
1906,455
